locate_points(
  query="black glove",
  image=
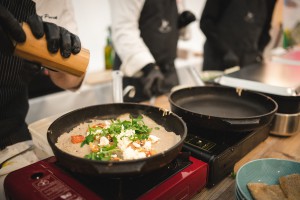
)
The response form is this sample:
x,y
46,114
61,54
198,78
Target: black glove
x,y
185,18
230,59
56,36
152,80
9,29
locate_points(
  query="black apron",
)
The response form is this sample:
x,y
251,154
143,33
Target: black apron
x,y
161,39
13,93
240,26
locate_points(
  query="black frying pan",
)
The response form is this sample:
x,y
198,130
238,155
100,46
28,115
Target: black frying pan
x,y
67,122
222,109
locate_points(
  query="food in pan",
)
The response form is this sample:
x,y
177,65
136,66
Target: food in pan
x,y
288,188
124,138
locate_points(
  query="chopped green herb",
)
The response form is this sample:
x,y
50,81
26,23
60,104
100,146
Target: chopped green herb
x,y
117,126
89,138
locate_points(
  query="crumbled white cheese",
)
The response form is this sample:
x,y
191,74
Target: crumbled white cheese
x,y
103,141
130,154
123,138
129,132
147,145
153,138
136,145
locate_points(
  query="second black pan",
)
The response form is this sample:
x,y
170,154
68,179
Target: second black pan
x,y
222,109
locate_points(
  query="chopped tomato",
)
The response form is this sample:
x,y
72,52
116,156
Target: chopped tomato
x,y
150,153
77,139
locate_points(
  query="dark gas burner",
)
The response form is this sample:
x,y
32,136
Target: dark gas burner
x,y
222,151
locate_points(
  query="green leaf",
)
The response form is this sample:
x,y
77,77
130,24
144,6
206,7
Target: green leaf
x,y
89,138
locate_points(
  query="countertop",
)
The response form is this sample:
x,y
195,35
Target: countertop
x,y
272,147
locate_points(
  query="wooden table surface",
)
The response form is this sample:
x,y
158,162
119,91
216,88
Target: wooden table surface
x,y
273,147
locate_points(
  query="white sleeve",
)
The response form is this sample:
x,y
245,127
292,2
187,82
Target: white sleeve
x,y
126,35
59,12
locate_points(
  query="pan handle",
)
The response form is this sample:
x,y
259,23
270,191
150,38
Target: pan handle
x,y
196,76
241,122
117,86
118,92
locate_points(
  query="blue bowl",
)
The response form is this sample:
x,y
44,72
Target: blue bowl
x,y
238,196
264,171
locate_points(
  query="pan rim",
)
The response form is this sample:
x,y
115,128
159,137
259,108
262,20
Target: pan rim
x,y
161,154
273,111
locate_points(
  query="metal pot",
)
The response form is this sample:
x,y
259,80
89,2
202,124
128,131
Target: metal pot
x,y
285,124
286,121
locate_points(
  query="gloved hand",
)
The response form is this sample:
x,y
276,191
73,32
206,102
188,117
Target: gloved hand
x,y
56,36
152,80
185,18
9,29
230,59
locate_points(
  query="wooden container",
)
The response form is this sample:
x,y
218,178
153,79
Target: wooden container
x,y
35,50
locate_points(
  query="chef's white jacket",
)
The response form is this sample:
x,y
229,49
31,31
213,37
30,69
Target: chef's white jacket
x,y
59,12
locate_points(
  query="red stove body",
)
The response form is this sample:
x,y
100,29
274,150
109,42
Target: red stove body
x,y
47,180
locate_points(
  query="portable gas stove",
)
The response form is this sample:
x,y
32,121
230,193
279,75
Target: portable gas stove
x,y
222,151
47,179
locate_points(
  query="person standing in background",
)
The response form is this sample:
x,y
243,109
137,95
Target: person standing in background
x,y
145,35
237,32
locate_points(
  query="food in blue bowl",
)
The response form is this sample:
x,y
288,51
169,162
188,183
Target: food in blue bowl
x,y
265,175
